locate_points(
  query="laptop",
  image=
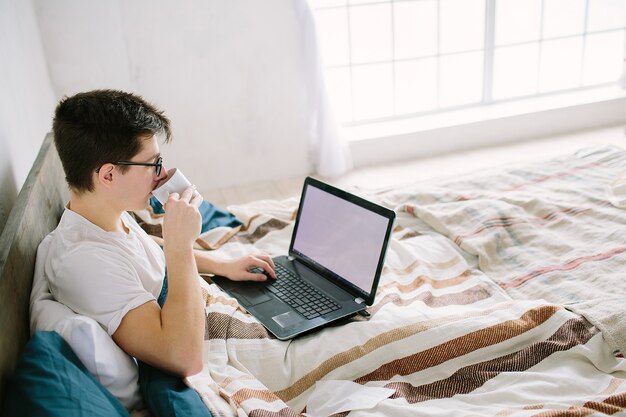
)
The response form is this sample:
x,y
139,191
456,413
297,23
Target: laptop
x,y
335,259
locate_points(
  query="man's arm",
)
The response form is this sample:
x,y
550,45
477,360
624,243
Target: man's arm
x,y
236,270
171,338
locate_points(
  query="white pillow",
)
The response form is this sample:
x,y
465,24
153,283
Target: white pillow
x,y
106,361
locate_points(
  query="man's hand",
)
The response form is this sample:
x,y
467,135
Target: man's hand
x,y
182,222
239,270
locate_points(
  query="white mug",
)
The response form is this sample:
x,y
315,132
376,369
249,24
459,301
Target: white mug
x,y
175,182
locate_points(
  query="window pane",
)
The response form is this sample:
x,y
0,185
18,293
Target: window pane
x,y
563,17
515,70
372,91
415,29
366,1
461,79
560,64
332,32
604,54
338,87
606,14
462,25
416,85
326,3
370,28
517,21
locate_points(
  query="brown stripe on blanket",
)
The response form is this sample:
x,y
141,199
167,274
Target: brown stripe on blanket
x,y
505,222
531,182
570,412
407,208
224,326
221,241
572,333
612,387
205,295
151,229
261,231
609,406
245,394
211,299
285,412
342,358
488,224
511,411
534,181
567,266
246,226
533,407
409,235
264,395
404,233
548,177
423,280
230,379
462,345
468,296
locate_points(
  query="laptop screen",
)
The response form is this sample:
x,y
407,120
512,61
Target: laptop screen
x,y
342,236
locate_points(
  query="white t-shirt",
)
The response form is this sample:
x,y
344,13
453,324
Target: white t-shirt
x,y
102,274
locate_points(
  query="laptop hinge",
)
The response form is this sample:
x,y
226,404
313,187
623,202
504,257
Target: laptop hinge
x,y
359,300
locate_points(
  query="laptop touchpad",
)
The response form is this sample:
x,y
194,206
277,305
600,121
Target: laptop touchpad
x,y
251,296
287,319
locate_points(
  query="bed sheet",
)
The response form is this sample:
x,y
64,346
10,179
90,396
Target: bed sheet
x,y
448,333
545,230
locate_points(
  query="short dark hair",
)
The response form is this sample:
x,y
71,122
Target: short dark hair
x,y
96,127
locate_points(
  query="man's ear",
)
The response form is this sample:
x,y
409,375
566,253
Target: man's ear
x,y
105,175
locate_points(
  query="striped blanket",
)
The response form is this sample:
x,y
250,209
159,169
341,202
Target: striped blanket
x,y
541,231
491,303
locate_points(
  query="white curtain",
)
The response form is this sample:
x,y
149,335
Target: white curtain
x,y
331,154
622,80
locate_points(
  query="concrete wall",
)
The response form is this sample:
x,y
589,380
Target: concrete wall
x,y
26,100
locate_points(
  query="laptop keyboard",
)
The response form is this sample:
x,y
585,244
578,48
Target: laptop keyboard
x,y
300,295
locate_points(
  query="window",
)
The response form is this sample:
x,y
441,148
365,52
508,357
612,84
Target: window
x,y
388,59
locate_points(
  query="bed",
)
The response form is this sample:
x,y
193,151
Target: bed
x,y
36,212
503,294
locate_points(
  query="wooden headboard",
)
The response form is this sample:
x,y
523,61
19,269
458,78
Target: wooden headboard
x,y
36,212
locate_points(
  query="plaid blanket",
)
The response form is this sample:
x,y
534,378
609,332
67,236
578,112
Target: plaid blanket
x,y
475,313
541,231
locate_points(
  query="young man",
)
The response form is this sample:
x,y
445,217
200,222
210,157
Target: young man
x,y
101,263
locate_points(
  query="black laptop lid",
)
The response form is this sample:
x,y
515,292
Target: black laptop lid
x,y
342,236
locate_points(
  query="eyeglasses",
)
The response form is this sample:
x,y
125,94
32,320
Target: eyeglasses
x,y
158,165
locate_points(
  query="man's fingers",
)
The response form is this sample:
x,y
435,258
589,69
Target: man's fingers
x,y
256,277
197,199
171,197
260,263
188,193
267,259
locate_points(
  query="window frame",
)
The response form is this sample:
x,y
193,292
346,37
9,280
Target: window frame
x,y
488,50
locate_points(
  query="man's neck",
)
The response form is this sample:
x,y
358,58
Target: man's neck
x,y
98,212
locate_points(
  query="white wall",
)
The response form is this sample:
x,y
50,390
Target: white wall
x,y
26,100
227,73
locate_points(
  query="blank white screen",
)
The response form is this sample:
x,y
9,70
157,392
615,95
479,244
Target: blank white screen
x,y
341,236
